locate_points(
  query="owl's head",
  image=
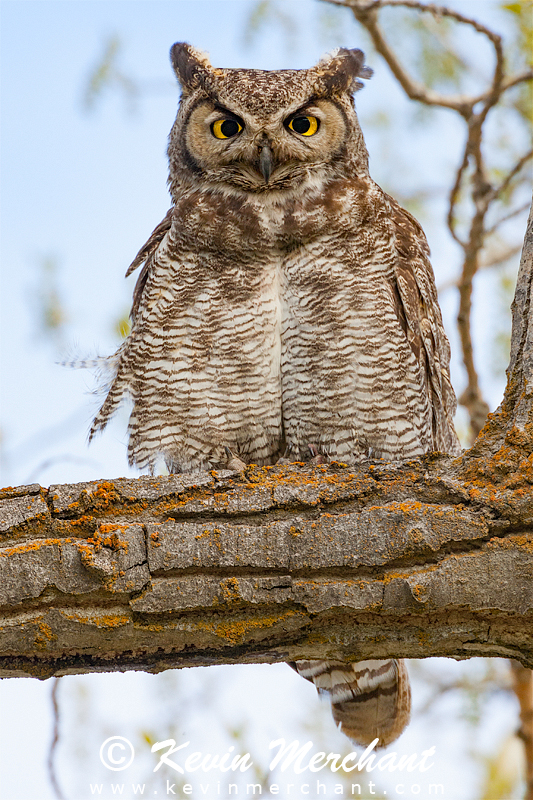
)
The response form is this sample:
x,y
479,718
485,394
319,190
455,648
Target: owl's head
x,y
263,132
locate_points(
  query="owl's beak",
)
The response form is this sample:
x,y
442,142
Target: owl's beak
x,y
266,161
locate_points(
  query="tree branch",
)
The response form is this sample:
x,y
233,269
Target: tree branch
x,y
366,12
496,191
523,687
425,558
278,564
514,213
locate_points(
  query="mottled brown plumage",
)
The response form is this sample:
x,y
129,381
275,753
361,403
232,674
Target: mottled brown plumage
x,y
369,699
285,304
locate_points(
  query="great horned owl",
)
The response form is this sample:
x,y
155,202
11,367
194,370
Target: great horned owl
x,y
285,304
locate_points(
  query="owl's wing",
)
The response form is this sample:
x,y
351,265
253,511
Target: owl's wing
x,y
419,313
144,256
113,382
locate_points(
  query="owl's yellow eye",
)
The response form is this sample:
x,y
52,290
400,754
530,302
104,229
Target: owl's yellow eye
x,y
306,125
225,128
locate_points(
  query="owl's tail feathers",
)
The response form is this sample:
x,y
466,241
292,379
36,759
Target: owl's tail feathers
x,y
369,699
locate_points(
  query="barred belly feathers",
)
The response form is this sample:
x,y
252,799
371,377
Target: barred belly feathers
x,y
286,306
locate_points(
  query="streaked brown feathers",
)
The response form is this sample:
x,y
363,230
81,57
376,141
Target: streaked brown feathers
x,y
369,699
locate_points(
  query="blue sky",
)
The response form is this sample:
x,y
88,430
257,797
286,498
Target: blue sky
x,y
86,189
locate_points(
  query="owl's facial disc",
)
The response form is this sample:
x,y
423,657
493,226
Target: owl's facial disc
x,y
258,152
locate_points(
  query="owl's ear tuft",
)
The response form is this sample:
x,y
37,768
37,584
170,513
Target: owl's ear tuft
x,y
339,71
192,67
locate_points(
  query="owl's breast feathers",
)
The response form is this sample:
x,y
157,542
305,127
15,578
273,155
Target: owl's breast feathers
x,y
310,320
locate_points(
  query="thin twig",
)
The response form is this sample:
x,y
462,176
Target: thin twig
x,y
497,190
507,83
523,687
55,740
506,218
495,261
366,13
453,198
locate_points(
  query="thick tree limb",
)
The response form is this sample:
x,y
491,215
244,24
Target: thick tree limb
x,y
282,563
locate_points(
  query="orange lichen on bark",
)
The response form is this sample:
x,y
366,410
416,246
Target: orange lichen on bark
x,y
104,496
509,468
235,631
522,541
166,506
85,521
213,534
99,620
45,636
35,545
107,499
276,476
107,535
230,590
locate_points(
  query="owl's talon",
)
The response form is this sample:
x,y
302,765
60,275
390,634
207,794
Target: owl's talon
x,y
233,462
286,457
316,457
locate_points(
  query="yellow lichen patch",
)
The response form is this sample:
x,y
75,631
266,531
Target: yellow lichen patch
x,y
45,636
317,477
213,534
419,592
509,468
104,496
235,631
230,590
32,546
424,638
108,536
99,620
151,626
107,499
85,521
517,541
192,495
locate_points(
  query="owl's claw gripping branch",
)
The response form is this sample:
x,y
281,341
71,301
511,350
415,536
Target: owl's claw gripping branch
x,y
233,461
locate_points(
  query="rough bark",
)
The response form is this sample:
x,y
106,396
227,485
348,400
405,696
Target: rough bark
x,y
432,557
